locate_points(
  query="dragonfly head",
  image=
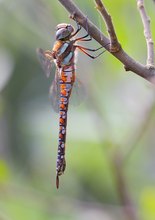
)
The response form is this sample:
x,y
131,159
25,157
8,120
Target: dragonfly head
x,y
64,31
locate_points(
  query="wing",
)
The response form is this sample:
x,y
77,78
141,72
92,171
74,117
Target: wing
x,y
78,93
54,92
46,60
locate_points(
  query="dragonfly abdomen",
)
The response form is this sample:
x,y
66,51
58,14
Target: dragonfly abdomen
x,y
67,77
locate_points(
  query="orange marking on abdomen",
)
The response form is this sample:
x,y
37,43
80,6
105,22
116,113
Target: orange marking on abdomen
x,y
62,86
64,78
62,106
62,113
60,135
63,92
61,120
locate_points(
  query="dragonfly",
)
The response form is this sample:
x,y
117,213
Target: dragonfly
x,y
63,55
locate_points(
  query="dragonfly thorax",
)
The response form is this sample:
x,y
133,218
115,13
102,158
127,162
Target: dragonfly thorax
x,y
64,31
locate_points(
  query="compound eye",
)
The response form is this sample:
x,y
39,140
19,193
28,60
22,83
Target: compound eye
x,y
62,25
63,31
62,34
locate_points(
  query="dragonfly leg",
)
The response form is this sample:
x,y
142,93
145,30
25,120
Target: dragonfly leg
x,y
87,35
84,49
83,38
78,29
89,49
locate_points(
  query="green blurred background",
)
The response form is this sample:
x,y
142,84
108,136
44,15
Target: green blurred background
x,y
116,118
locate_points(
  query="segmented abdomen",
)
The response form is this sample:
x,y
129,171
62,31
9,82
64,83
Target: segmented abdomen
x,y
67,77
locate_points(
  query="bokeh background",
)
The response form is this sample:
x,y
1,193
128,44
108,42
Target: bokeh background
x,y
115,121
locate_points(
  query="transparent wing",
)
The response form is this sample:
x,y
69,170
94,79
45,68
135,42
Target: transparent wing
x,y
54,92
46,60
78,94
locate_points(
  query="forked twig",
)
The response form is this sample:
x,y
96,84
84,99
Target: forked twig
x,y
147,34
114,44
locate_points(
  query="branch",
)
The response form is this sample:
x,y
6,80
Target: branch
x,y
139,134
122,188
129,63
115,46
147,33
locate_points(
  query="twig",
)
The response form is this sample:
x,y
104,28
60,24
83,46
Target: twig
x,y
114,44
147,33
140,133
122,188
129,63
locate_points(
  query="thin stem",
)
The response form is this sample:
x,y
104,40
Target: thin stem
x,y
147,33
140,133
115,46
122,188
